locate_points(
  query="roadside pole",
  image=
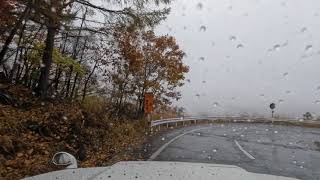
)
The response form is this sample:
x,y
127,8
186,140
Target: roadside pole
x,y
148,106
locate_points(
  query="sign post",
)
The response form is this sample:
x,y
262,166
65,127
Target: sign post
x,y
148,105
272,107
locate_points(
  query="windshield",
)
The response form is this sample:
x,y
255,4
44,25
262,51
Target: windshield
x,y
209,81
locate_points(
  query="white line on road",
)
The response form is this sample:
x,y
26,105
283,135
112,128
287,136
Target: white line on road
x,y
155,154
244,151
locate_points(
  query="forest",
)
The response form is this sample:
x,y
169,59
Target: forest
x,y
72,49
73,75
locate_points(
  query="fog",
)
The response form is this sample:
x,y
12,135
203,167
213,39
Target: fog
x,y
245,54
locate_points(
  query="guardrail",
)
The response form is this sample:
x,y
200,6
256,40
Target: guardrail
x,y
186,119
167,122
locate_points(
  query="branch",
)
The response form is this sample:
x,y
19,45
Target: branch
x,y
86,3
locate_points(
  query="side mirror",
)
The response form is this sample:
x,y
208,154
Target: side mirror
x,y
65,159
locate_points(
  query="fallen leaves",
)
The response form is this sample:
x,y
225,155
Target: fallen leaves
x,y
30,137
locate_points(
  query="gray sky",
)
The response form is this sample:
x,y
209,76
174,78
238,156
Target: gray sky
x,y
277,59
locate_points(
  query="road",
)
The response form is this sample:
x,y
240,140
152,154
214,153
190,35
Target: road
x,y
261,148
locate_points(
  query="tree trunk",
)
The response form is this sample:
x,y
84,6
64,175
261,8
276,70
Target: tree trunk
x,y
13,32
77,74
87,81
75,54
47,60
15,64
57,78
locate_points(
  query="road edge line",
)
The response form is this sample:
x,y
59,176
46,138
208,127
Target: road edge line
x,y
163,147
244,151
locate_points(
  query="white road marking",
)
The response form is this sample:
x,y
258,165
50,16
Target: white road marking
x,y
244,151
155,154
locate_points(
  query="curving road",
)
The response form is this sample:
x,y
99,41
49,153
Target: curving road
x,y
261,148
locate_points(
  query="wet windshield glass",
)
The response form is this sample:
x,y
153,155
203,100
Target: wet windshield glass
x,y
90,83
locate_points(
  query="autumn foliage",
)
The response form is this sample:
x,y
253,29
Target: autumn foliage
x,y
78,83
147,63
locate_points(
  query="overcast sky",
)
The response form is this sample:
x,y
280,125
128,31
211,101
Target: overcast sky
x,y
245,54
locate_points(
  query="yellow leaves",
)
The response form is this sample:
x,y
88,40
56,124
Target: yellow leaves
x,y
63,61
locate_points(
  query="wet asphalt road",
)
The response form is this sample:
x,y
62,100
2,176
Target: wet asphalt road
x,y
279,150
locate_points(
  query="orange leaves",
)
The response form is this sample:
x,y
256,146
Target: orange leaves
x,y
149,63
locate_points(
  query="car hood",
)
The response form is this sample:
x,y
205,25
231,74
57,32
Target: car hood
x,y
145,170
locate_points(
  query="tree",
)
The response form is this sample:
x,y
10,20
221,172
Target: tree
x,y
148,63
307,116
43,37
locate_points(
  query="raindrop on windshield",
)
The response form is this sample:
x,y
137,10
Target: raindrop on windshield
x,y
199,6
201,59
276,47
317,101
203,28
304,29
285,44
214,150
294,162
232,38
240,46
215,104
281,101
163,139
276,132
288,92
308,47
285,74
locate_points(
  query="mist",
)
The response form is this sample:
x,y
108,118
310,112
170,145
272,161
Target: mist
x,y
244,55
